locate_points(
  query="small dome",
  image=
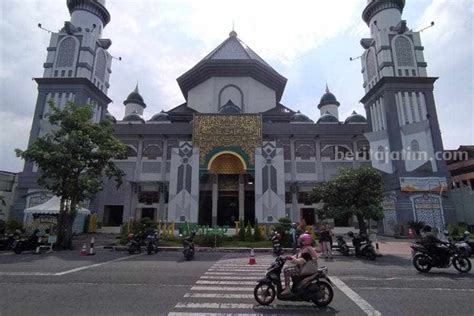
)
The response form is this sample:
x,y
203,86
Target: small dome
x,y
328,98
355,118
160,117
300,117
230,108
135,97
327,118
133,117
110,116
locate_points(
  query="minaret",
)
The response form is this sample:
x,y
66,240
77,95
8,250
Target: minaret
x,y
329,103
405,136
77,69
134,104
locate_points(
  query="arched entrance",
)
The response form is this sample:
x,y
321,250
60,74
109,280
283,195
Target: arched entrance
x,y
227,192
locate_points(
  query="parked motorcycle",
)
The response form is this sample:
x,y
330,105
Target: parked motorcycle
x,y
188,247
26,243
465,245
343,247
424,259
152,243
134,243
276,243
363,246
6,240
316,288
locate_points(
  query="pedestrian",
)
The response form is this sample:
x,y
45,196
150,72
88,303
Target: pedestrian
x,y
325,239
294,240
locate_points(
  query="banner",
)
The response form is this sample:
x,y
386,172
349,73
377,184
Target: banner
x,y
431,184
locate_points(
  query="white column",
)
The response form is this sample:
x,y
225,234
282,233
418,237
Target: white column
x,y
384,117
402,108
416,107
215,199
241,196
379,114
423,106
406,101
374,117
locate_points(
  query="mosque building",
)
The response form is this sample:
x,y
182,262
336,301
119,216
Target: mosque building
x,y
233,151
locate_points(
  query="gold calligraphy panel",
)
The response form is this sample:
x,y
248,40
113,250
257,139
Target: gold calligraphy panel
x,y
243,131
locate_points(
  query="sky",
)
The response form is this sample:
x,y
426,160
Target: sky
x,y
307,41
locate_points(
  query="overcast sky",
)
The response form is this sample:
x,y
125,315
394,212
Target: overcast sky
x,y
308,42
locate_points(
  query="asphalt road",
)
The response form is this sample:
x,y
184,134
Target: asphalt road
x,y
114,283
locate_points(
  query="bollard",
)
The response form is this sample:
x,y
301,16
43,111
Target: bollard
x,y
252,257
83,250
91,249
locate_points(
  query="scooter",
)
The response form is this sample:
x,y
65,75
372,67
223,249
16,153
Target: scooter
x,y
26,243
316,288
188,247
276,243
343,247
152,243
363,246
465,245
134,243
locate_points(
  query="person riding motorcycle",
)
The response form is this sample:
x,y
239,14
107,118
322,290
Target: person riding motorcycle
x,y
433,244
300,260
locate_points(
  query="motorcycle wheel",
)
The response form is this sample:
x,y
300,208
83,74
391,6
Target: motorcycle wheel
x,y
462,264
420,263
188,255
324,294
149,249
370,254
264,293
17,250
344,250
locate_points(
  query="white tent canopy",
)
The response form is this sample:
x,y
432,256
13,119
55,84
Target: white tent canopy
x,y
52,207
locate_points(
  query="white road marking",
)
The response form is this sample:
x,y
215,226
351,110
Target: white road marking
x,y
95,265
356,298
362,278
223,277
226,282
218,295
222,288
213,314
237,270
411,288
215,305
26,273
233,273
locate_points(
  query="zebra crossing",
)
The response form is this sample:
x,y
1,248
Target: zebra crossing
x,y
226,288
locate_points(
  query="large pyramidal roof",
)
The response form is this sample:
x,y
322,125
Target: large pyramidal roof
x,y
232,58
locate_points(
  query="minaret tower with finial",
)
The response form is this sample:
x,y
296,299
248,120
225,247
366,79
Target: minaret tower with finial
x,y
329,104
77,69
405,137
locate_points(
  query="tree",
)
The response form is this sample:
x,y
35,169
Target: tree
x,y
74,159
355,192
257,234
248,232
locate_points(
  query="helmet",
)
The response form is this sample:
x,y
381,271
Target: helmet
x,y
350,234
466,233
293,225
306,239
427,228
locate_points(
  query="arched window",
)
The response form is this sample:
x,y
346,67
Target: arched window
x,y
100,65
415,149
404,52
152,152
336,152
233,93
66,57
305,152
371,64
131,152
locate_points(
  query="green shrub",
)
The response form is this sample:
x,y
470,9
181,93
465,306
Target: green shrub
x,y
124,234
242,230
456,231
256,234
283,228
417,226
13,225
248,232
211,240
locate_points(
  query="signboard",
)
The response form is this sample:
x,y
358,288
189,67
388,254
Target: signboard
x,y
52,239
427,184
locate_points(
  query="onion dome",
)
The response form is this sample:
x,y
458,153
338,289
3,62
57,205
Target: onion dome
x,y
328,98
133,117
299,117
230,108
160,117
135,97
327,118
95,7
110,116
355,118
